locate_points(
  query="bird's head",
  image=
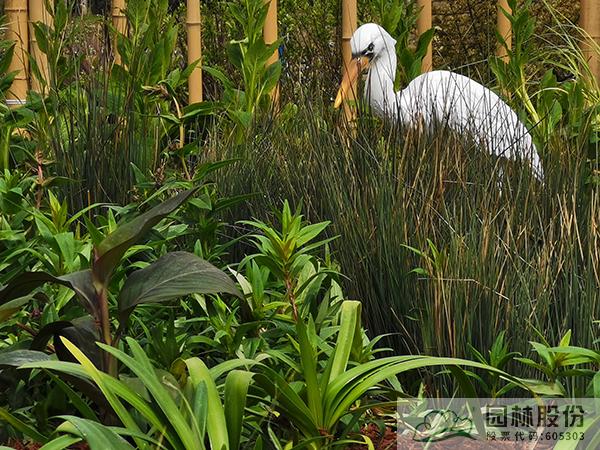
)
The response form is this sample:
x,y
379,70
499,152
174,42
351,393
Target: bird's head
x,y
370,43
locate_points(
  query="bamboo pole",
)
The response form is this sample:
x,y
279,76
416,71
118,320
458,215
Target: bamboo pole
x,y
119,22
16,14
194,42
504,30
270,36
349,20
423,24
589,20
38,13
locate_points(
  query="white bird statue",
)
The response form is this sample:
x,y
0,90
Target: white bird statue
x,y
452,99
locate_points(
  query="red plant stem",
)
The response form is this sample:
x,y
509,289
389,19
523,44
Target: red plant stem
x,y
109,361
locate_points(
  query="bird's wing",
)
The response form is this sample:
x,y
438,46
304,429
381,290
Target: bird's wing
x,y
468,107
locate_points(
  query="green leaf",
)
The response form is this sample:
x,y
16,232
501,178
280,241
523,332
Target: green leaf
x,y
143,369
11,307
309,371
80,282
112,389
216,423
21,426
174,275
110,251
204,108
98,436
236,391
17,358
348,335
60,443
100,378
309,232
566,339
288,399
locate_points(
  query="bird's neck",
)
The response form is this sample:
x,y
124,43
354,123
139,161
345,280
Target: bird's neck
x,y
379,88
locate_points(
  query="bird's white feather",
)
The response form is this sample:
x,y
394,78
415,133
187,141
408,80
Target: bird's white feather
x,y
450,98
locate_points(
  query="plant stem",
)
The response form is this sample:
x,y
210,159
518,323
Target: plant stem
x,y
290,294
109,361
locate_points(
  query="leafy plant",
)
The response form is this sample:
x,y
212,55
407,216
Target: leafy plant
x,y
173,275
332,398
250,56
560,365
178,413
499,356
287,253
399,18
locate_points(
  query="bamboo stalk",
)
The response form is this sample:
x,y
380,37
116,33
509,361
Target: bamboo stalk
x,y
349,20
504,29
589,20
38,13
194,42
423,24
119,22
270,36
16,14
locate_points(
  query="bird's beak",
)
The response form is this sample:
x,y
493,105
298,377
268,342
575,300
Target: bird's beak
x,y
355,67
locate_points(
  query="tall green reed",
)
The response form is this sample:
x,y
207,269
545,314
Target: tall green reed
x,y
494,248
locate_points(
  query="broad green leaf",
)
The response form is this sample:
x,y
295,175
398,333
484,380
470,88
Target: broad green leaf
x,y
216,424
226,366
174,275
236,391
348,335
309,232
98,436
112,388
17,358
570,352
200,410
110,251
355,382
308,358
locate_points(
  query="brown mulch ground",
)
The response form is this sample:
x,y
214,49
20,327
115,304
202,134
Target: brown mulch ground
x,y
23,445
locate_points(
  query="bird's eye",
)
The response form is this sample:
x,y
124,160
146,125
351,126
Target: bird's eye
x,y
370,47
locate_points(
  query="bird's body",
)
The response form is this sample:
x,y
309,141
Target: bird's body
x,y
448,98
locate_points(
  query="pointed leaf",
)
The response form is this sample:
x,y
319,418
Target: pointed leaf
x,y
25,283
174,275
110,251
21,426
348,335
236,391
216,424
98,436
